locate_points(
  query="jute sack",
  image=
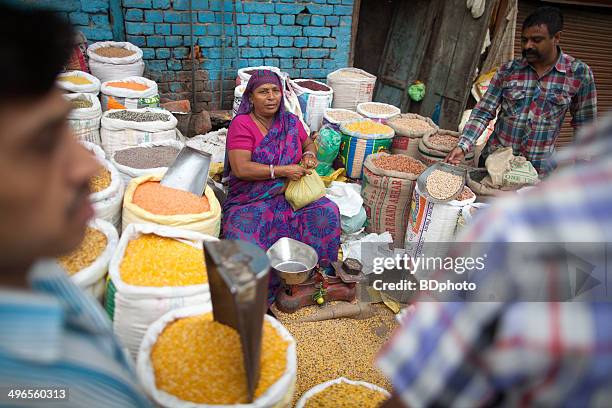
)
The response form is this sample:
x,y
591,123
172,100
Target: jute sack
x,y
107,69
432,223
351,87
320,387
406,139
133,308
92,279
474,181
208,223
279,395
430,156
386,198
85,122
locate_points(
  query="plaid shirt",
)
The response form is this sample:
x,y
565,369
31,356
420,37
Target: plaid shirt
x,y
470,354
533,108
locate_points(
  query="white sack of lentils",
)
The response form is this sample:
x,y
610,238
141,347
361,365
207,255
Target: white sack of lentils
x,y
128,173
124,128
431,226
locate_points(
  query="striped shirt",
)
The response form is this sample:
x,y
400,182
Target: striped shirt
x,y
532,108
517,353
56,336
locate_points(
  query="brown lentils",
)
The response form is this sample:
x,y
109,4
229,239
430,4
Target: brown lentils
x,y
400,163
147,157
114,52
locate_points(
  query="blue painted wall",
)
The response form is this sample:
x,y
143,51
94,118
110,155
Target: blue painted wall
x,y
307,39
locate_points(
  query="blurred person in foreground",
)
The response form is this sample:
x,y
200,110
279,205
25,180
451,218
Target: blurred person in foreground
x,y
516,352
535,91
53,335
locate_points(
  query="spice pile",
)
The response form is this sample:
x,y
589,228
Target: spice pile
x,y
146,157
445,141
114,52
345,395
443,185
151,260
134,86
81,103
90,249
378,108
157,199
466,194
313,86
336,348
199,360
100,181
410,124
342,115
132,116
401,163
75,79
368,127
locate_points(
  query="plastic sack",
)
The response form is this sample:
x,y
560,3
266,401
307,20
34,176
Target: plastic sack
x,y
92,88
107,203
313,103
331,120
351,87
328,146
387,133
118,134
337,175
320,387
128,173
467,214
85,122
346,196
107,69
521,173
94,149
244,76
354,224
206,223
92,279
238,92
212,142
304,191
364,109
278,394
133,308
122,98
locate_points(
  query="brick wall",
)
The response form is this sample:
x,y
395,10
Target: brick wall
x,y
307,39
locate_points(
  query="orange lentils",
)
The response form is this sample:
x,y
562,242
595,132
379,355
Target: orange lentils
x,y
157,199
153,260
134,86
199,360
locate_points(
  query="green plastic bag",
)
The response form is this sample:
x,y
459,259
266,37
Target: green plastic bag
x,y
328,145
304,191
416,91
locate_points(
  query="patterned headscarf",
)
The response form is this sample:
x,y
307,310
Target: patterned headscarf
x,y
259,78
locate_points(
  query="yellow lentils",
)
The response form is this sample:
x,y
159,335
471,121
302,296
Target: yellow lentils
x,y
345,395
100,181
75,79
151,260
199,360
90,249
368,127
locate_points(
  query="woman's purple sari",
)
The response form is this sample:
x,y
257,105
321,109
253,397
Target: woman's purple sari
x,y
257,211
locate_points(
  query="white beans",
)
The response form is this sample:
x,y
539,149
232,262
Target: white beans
x,y
442,185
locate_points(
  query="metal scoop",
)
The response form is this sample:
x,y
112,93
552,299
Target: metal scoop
x,y
448,168
238,280
189,171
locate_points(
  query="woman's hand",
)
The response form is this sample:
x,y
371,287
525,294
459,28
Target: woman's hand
x,y
310,162
292,172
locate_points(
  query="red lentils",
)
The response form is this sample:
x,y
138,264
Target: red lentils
x,y
157,199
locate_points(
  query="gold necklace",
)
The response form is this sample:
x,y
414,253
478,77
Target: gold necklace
x,y
261,123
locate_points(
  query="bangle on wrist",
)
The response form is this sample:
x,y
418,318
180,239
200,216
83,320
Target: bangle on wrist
x,y
272,172
308,153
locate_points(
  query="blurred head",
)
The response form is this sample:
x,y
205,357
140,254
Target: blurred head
x,y
44,171
542,34
264,93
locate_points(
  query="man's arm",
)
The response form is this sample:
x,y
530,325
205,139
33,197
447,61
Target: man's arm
x,y
584,104
484,112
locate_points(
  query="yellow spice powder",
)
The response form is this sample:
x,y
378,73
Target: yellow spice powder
x,y
152,260
199,360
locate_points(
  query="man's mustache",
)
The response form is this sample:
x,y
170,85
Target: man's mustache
x,y
531,52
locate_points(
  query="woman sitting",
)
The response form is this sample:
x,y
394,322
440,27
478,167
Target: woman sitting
x,y
265,147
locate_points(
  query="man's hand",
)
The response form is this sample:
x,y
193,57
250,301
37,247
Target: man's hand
x,y
292,172
456,156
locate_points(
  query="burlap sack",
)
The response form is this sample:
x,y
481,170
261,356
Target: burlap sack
x,y
386,199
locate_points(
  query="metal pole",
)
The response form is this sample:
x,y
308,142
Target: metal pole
x,y
222,55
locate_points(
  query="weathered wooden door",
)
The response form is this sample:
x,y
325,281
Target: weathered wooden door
x,y
437,42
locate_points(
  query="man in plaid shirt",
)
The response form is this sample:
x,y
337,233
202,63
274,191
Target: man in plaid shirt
x,y
534,92
515,352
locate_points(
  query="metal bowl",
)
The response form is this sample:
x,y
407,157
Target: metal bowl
x,y
292,260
